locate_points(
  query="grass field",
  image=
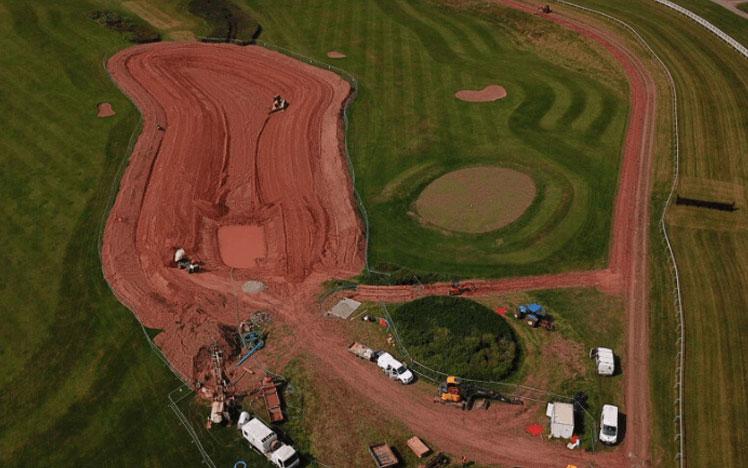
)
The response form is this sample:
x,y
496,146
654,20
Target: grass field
x,y
557,124
712,84
79,386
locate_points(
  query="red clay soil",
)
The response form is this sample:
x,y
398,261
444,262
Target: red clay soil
x,y
222,160
104,109
242,245
336,55
488,94
212,155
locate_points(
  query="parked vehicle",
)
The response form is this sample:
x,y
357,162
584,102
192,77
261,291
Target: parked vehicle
x,y
562,419
394,369
609,425
265,440
604,360
363,351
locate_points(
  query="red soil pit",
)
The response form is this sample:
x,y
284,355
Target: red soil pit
x,y
336,55
241,246
487,94
104,110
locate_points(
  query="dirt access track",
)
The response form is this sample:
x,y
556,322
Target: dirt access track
x,y
211,156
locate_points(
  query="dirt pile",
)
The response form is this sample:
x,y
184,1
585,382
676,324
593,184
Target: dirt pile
x,y
488,94
336,54
212,159
104,109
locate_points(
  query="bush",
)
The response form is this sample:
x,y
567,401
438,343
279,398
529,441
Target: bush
x,y
459,337
134,31
227,21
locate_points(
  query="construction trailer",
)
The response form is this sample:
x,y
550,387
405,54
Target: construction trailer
x,y
383,455
561,419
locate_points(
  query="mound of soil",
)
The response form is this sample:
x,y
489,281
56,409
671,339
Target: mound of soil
x,y
488,94
336,55
104,110
476,199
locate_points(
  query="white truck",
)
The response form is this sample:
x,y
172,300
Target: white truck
x,y
605,361
395,369
609,425
265,440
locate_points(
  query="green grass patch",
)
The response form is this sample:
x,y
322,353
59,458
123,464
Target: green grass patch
x,y
458,336
407,128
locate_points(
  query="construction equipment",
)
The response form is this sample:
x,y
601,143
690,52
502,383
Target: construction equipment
x,y
279,104
440,459
454,391
383,455
545,9
457,290
251,342
269,392
534,315
184,263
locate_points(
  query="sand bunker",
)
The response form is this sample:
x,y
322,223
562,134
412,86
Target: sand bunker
x,y
487,94
104,110
336,55
241,246
476,199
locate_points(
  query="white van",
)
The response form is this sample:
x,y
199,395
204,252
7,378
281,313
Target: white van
x,y
609,425
605,361
394,368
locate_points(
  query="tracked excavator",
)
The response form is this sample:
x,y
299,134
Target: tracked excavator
x,y
455,392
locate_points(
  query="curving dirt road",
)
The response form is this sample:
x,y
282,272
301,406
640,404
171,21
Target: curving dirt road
x,y
210,155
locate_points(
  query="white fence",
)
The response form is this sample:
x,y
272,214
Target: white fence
x,y
714,29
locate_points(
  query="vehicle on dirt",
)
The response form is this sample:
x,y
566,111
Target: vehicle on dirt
x,y
265,440
609,425
363,351
534,315
604,360
454,391
395,369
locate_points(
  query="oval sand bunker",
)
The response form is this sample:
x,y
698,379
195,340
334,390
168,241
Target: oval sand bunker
x,y
487,94
336,55
240,246
104,110
476,199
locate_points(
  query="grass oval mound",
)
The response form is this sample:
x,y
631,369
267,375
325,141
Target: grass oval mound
x,y
476,199
458,336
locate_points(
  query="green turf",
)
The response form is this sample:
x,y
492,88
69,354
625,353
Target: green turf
x,y
406,128
79,386
712,84
458,336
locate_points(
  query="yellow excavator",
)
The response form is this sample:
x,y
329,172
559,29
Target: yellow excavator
x,y
454,391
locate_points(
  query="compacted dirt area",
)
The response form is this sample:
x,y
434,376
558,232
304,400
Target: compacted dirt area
x,y
213,161
104,109
336,54
476,199
488,94
211,156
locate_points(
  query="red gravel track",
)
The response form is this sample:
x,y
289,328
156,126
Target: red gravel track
x,y
222,160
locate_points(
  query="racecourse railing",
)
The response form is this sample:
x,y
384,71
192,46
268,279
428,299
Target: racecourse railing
x,y
678,298
712,28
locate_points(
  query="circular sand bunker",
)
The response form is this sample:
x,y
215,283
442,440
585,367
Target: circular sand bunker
x,y
487,94
336,55
104,110
476,199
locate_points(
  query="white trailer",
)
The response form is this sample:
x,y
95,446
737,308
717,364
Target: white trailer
x,y
562,419
265,440
605,361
